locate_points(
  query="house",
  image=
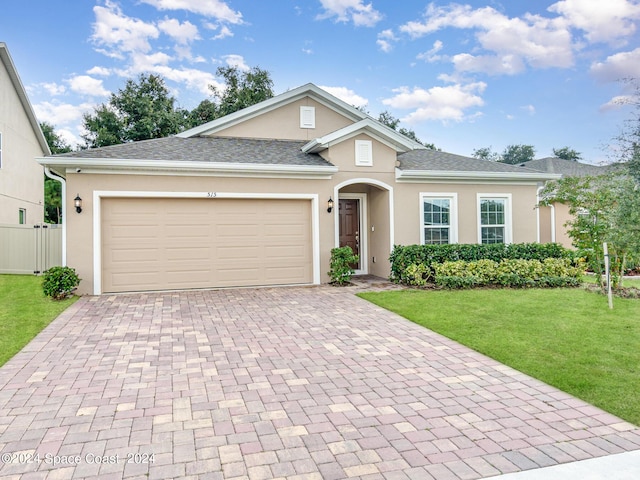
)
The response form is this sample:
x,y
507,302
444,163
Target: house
x,y
21,141
554,217
261,196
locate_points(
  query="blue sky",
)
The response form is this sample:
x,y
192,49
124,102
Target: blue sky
x,y
462,75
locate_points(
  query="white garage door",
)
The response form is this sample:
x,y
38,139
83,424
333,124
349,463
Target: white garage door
x,y
181,243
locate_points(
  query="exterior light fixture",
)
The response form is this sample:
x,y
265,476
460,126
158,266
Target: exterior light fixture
x,y
77,202
330,205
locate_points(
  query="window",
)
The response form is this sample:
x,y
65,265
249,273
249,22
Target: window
x,y
307,117
22,216
438,218
364,153
495,218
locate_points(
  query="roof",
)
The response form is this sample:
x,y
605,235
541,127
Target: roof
x,y
437,164
206,149
5,58
566,168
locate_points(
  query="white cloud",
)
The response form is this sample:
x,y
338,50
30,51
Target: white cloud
x,y
618,66
438,103
602,21
356,11
530,109
57,113
430,55
506,44
224,31
86,85
385,39
617,102
183,33
102,71
308,51
119,33
209,8
236,61
346,95
52,89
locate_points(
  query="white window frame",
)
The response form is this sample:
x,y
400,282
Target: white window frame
x,y
307,117
364,153
508,223
453,213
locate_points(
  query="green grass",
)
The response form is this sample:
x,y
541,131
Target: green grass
x,y
25,312
567,338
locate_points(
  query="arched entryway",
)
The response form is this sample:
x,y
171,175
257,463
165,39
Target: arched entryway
x,y
364,221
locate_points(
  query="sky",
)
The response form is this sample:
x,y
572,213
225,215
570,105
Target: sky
x,y
463,76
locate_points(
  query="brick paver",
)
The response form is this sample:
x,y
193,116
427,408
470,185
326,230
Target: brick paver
x,y
276,383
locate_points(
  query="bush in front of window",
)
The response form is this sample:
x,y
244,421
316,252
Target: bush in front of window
x,y
403,256
513,273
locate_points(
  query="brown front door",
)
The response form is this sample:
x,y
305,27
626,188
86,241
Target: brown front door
x,y
349,213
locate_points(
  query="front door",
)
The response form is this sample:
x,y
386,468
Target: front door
x,y
349,214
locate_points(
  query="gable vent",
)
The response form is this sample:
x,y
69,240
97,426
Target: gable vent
x,y
307,117
364,153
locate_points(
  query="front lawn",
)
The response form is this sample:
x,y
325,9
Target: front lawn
x,y
25,312
567,338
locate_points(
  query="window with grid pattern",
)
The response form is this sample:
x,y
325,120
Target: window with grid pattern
x,y
437,220
493,220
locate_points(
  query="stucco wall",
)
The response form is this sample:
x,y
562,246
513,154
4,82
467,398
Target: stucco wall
x,y
284,123
21,177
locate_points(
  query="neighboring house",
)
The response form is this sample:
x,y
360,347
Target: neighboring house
x,y
261,196
21,141
553,218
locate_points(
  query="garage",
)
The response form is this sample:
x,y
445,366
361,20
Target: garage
x,y
183,243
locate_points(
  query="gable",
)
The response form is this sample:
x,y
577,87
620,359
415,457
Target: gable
x,y
361,153
303,119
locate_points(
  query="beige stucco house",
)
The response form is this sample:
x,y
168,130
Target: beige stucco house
x,y
261,196
21,141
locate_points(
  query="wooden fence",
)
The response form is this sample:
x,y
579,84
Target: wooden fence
x,y
30,249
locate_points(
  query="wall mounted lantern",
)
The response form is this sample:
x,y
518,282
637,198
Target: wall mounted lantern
x,y
330,205
78,203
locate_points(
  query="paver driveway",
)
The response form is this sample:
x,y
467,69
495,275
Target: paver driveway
x,y
276,383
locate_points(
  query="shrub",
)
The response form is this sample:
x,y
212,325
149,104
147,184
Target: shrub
x,y
515,273
340,266
403,256
417,274
59,282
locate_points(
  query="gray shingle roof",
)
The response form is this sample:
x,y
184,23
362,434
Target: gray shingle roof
x,y
567,168
208,149
436,160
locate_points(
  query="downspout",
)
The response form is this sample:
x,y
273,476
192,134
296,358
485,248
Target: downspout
x,y
63,210
553,223
538,213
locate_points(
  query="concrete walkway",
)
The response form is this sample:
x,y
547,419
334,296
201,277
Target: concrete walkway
x,y
291,383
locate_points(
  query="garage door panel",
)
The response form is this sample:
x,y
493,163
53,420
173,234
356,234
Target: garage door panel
x,y
156,244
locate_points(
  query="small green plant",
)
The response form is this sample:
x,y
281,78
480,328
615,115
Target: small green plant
x,y
341,260
59,282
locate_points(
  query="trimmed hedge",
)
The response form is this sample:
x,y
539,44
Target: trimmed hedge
x,y
515,273
404,256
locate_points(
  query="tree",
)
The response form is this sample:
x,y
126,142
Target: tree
x,y
516,154
56,143
393,123
486,153
567,153
604,208
53,188
140,111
